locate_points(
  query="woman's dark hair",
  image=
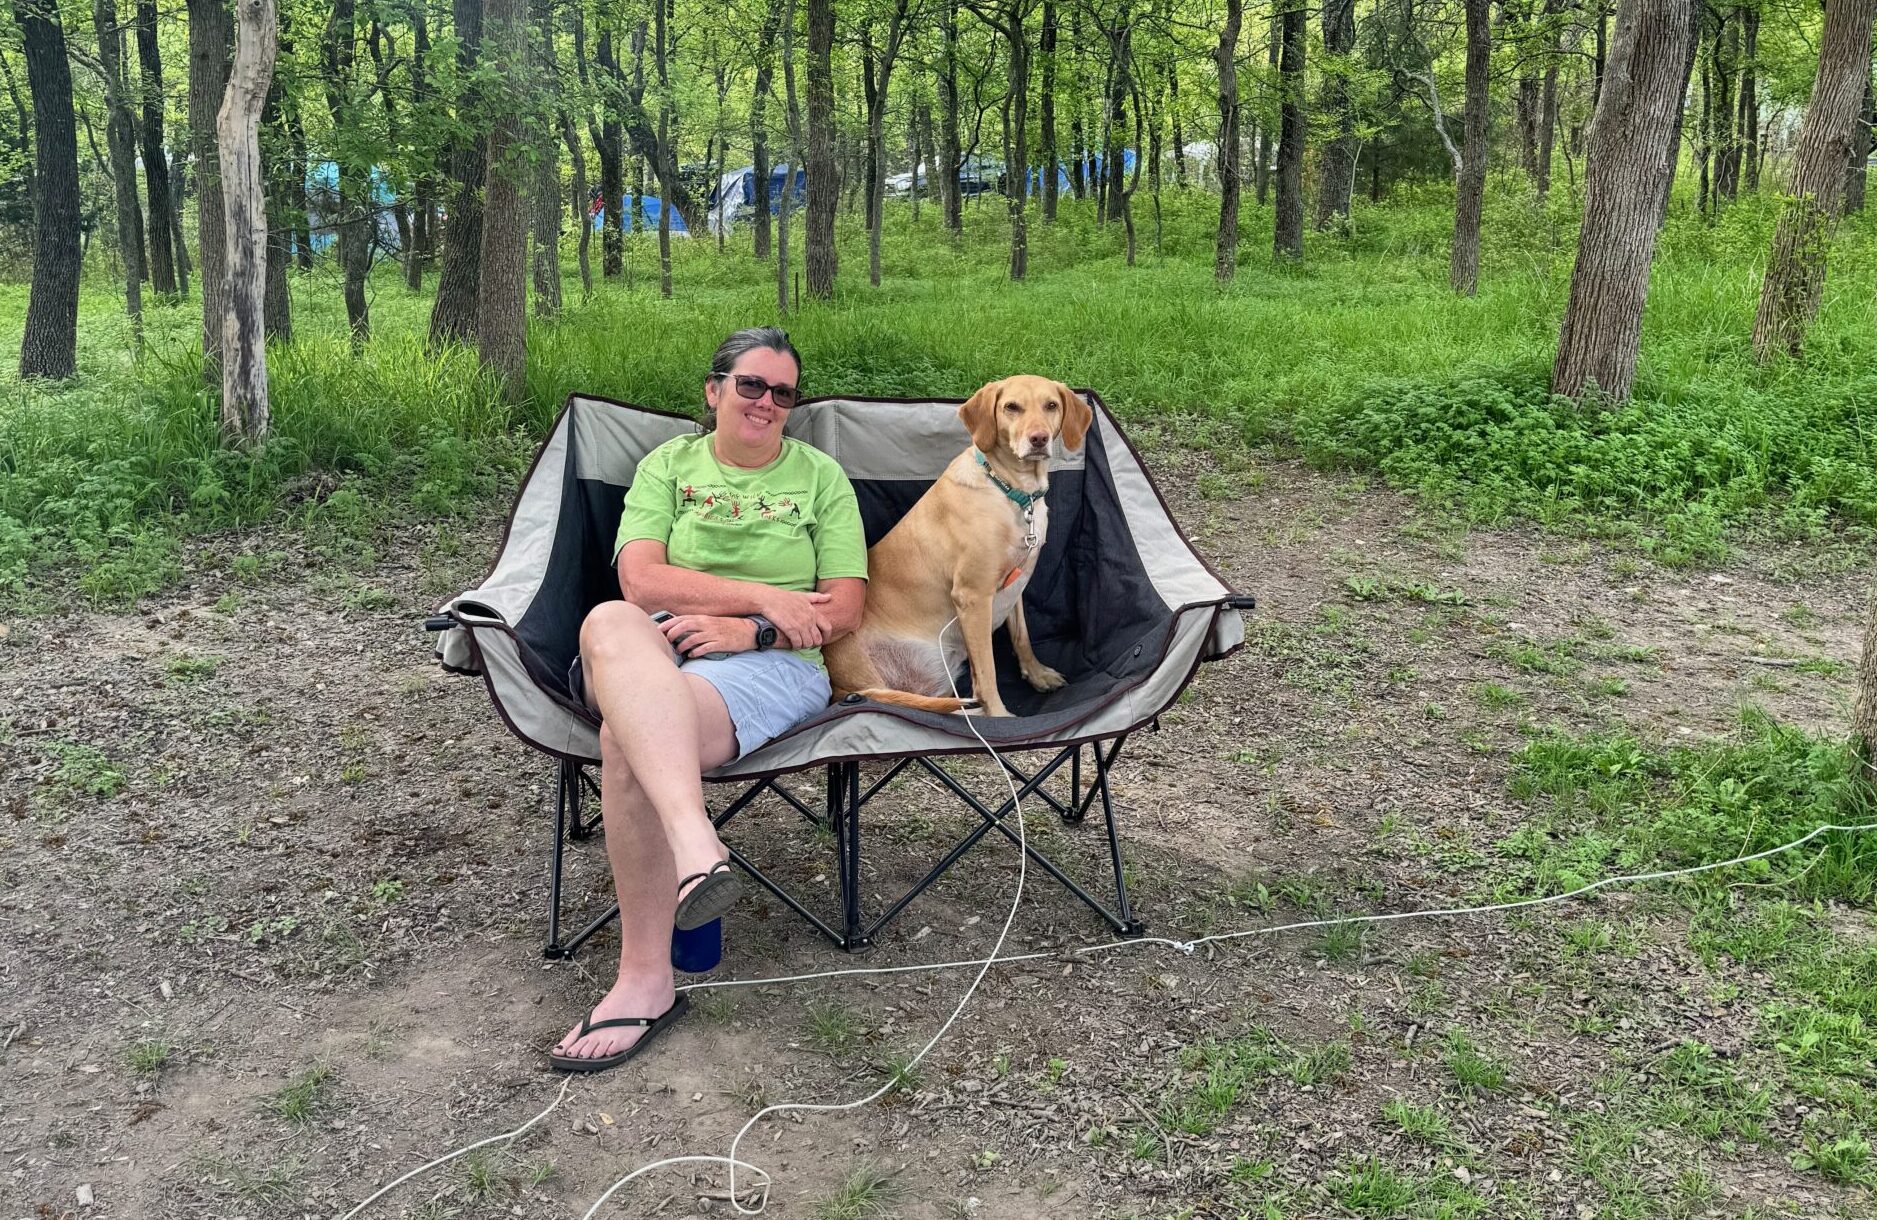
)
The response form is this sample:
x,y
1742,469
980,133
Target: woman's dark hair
x,y
732,349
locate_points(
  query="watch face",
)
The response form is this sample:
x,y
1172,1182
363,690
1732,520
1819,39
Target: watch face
x,y
765,636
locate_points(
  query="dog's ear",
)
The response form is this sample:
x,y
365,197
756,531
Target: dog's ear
x,y
979,414
1076,417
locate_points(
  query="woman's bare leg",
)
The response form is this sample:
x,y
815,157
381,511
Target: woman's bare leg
x,y
670,725
639,835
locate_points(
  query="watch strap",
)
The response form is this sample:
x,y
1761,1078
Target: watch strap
x,y
763,625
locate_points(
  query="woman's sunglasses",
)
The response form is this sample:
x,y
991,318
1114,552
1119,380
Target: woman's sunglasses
x,y
752,388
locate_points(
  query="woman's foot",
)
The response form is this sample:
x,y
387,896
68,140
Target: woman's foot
x,y
632,996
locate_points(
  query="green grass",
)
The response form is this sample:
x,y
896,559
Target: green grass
x,y
866,1193
1362,357
1613,803
1471,1067
303,1098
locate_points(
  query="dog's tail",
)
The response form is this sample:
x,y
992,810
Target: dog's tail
x,y
923,703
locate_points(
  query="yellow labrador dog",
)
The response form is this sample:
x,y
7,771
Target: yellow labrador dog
x,y
964,552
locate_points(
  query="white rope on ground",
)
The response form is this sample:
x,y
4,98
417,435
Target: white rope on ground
x,y
985,963
468,1148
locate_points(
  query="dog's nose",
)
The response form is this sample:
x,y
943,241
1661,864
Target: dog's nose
x,y
1039,440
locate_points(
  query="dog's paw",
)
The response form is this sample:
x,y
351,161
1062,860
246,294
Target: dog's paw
x,y
1043,678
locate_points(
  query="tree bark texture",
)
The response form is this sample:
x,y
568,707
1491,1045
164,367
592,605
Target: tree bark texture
x,y
1795,269
209,35
1225,63
823,187
1339,155
1626,158
1261,165
355,221
244,208
502,313
609,142
1749,121
276,300
1287,234
1046,45
1861,139
949,153
759,124
155,164
121,140
544,202
1864,714
49,347
453,314
1463,265
424,216
1692,51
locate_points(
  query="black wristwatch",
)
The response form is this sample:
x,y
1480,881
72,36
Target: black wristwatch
x,y
765,632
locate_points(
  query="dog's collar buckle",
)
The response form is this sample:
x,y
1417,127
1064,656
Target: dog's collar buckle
x,y
1025,500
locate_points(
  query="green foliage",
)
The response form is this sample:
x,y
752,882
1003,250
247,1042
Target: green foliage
x,y
1624,806
1363,356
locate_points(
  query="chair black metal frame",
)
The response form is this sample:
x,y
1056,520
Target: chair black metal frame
x,y
839,808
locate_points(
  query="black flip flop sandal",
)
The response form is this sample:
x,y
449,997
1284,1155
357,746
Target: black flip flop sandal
x,y
653,1027
716,891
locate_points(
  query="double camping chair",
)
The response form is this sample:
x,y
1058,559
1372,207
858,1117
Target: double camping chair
x,y
1119,603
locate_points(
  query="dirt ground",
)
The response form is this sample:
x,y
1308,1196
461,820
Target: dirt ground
x,y
273,894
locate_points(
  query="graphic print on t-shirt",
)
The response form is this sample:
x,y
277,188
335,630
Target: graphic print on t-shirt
x,y
720,503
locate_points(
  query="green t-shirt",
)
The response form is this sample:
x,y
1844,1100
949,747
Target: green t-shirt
x,y
791,524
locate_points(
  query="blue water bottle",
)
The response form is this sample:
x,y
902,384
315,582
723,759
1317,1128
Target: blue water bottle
x,y
698,950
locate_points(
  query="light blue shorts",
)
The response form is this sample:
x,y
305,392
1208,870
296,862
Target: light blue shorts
x,y
767,692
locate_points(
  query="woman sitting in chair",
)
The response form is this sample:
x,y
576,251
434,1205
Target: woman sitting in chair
x,y
752,542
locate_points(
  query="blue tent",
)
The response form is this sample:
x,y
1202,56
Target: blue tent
x,y
734,199
642,218
322,201
1063,184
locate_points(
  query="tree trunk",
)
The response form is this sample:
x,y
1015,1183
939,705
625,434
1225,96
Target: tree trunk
x,y
155,165
49,347
1855,180
209,35
423,236
179,188
1795,269
276,300
759,124
667,193
1697,8
1179,129
1017,150
238,138
1287,235
1725,50
1548,103
877,75
610,144
1864,714
379,41
1339,156
583,224
1749,122
1225,63
793,115
502,304
1471,188
296,151
121,140
950,159
823,188
1625,163
337,52
1046,45
1261,171
453,314
545,202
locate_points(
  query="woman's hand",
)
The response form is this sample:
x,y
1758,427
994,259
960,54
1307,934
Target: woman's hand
x,y
694,635
800,617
